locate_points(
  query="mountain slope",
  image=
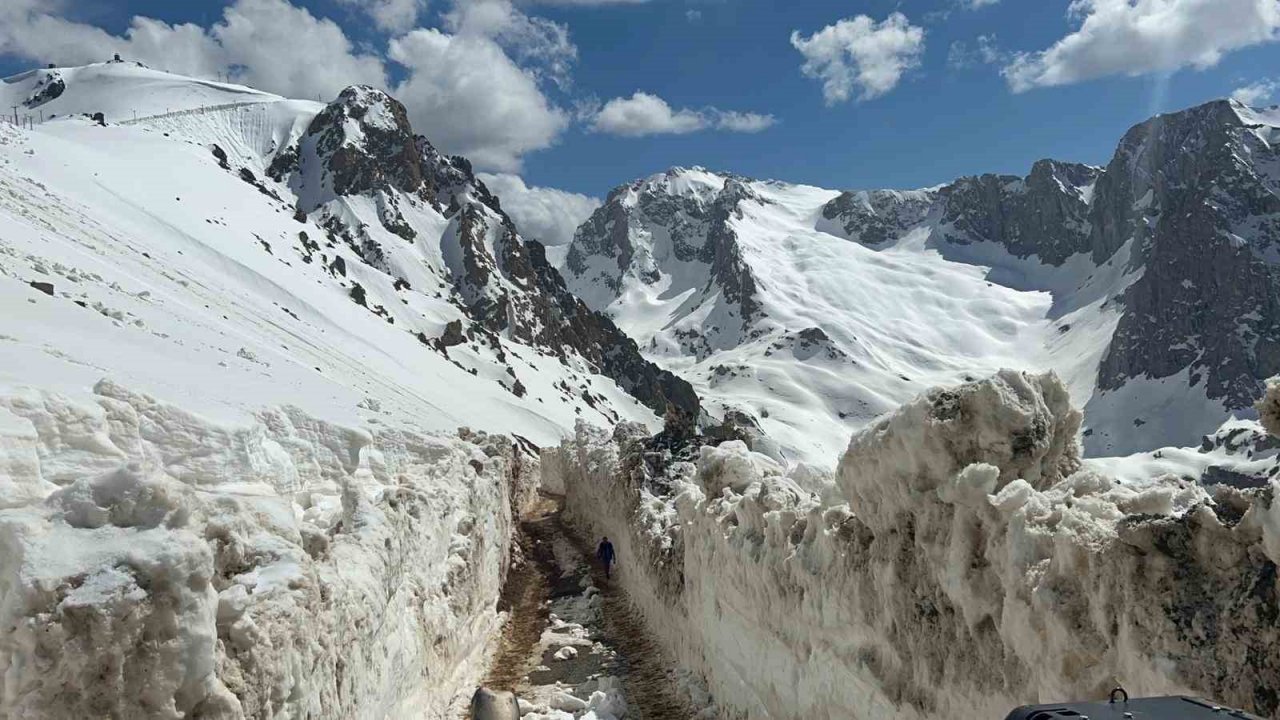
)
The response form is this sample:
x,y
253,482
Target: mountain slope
x,y
1150,285
290,251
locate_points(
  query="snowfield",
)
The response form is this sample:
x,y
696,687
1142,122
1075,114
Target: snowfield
x,y
810,312
959,563
180,278
843,331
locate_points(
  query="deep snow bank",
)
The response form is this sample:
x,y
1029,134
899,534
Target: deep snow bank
x,y
974,567
156,564
1269,407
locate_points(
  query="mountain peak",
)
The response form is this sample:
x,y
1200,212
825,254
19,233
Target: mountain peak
x,y
373,108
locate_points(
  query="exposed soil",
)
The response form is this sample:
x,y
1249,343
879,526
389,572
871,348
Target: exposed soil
x,y
621,647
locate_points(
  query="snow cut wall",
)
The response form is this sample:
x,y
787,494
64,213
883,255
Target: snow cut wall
x,y
961,565
154,564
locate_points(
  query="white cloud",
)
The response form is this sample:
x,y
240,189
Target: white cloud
x,y
395,16
269,44
538,44
547,215
473,88
975,4
1135,37
693,15
1256,93
860,53
644,114
743,122
285,49
986,52
470,98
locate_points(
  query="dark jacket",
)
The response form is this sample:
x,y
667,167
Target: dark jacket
x,y
605,552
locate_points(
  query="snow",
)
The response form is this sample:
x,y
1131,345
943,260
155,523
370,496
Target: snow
x,y
122,90
1269,407
966,565
187,271
286,566
226,489
1145,411
899,317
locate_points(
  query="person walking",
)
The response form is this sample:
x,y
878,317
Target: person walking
x,y
604,554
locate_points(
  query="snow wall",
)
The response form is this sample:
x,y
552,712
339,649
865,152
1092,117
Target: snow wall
x,y
960,566
154,564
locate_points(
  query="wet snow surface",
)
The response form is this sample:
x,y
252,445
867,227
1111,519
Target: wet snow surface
x,y
573,646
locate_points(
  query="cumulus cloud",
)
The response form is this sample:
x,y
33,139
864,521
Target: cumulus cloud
x,y
394,16
269,44
548,215
474,87
1135,37
538,44
644,114
467,95
975,4
860,54
1256,93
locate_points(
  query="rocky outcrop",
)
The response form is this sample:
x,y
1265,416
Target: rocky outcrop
x,y
362,145
49,87
729,272
1198,194
877,216
646,228
1195,195
1043,214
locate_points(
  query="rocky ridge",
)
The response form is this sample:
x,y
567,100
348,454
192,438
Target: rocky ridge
x,y
362,146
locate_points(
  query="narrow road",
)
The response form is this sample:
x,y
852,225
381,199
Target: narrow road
x,y
573,647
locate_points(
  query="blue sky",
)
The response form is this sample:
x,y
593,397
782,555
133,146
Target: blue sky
x,y
937,119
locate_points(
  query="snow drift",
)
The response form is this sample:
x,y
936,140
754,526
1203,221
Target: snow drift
x,y
961,563
157,564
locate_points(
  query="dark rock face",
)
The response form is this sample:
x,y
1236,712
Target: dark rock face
x,y
876,216
728,270
502,282
51,87
1043,214
1195,193
385,156
1193,189
699,230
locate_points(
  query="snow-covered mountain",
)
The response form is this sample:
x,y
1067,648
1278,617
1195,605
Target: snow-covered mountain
x,y
231,246
1152,286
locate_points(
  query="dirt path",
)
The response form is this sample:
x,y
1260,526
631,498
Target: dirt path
x,y
573,647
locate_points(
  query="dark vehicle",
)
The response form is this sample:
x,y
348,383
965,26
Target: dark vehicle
x,y
1120,707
